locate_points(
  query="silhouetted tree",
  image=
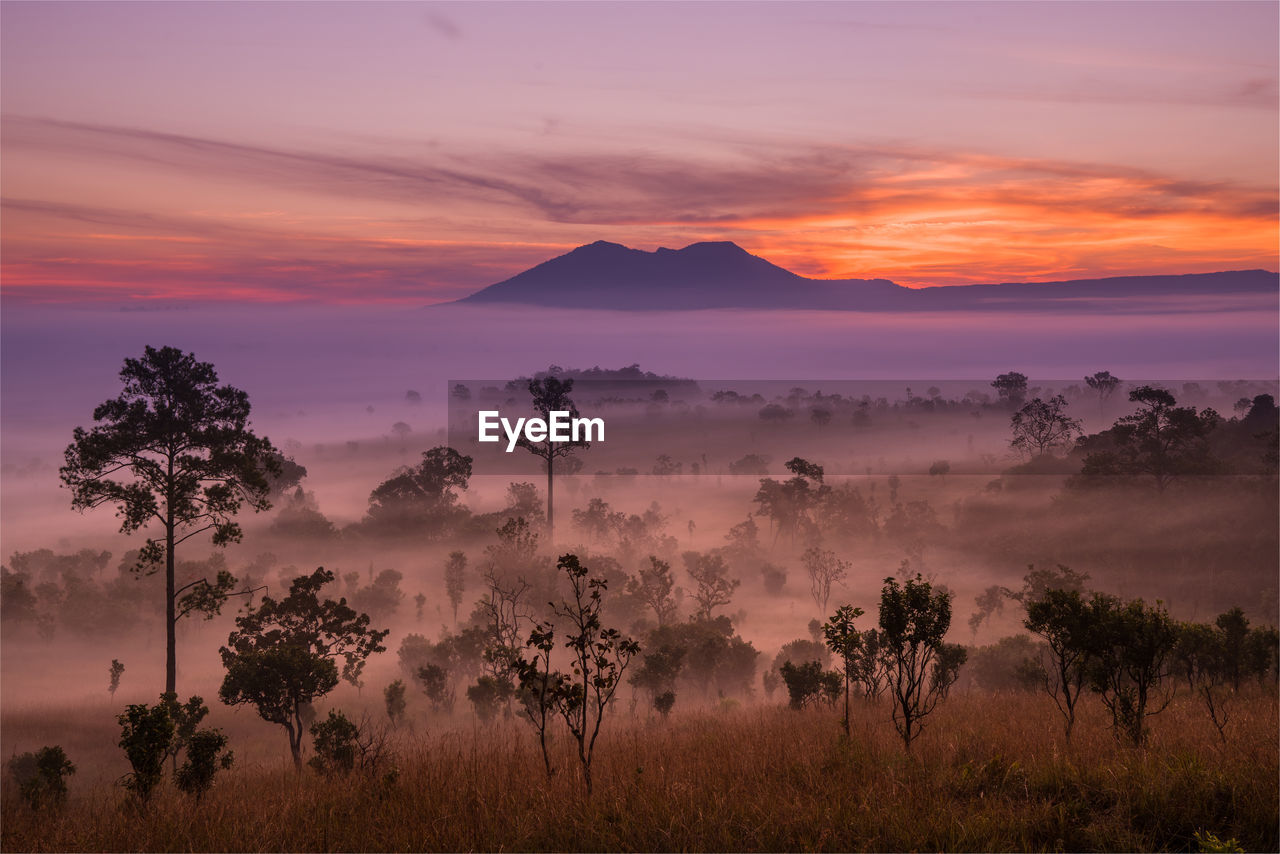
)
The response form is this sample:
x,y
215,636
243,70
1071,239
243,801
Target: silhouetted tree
x,y
1066,622
281,656
600,657
913,623
422,498
1161,440
845,642
115,672
455,580
1104,384
191,462
1011,388
825,569
653,586
551,394
1133,646
1042,426
714,586
40,776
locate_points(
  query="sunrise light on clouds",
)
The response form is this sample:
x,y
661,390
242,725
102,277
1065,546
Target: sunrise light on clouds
x,y
413,153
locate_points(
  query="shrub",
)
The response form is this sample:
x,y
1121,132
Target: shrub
x,y
334,740
40,776
204,759
146,735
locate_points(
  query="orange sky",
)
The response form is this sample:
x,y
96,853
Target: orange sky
x,y
417,152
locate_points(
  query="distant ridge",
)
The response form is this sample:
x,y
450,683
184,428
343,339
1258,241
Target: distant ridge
x,y
605,275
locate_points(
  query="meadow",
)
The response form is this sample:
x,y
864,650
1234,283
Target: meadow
x,y
990,772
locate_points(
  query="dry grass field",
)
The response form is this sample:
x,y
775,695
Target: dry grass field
x,y
990,773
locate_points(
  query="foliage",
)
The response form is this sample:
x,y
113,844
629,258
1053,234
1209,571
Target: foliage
x,y
205,758
913,623
115,671
334,741
1160,441
146,735
845,642
1011,388
1066,622
393,699
191,463
40,776
790,504
1133,646
421,500
282,654
664,702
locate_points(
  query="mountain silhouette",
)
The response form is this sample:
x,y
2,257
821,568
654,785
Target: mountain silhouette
x,y
605,275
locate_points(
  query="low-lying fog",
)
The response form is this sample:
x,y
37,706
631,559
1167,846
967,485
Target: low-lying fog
x,y
328,384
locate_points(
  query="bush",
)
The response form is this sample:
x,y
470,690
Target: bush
x,y
146,735
335,744
39,776
204,759
664,701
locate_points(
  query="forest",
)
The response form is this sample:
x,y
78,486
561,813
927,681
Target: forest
x,y
1008,614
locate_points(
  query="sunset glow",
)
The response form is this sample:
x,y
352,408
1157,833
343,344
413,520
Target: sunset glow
x,y
410,153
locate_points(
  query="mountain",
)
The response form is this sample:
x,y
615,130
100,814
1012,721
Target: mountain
x,y
605,275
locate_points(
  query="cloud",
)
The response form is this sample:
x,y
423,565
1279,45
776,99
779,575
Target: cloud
x,y
440,223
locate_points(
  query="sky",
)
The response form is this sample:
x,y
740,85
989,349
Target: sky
x,y
410,153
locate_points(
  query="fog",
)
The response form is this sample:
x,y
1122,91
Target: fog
x,y
327,386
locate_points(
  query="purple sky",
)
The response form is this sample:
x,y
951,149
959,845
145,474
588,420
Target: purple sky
x,y
411,152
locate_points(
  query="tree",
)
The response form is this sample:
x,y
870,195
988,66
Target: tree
x,y
115,672
1133,648
600,657
393,696
1104,384
551,394
653,586
39,776
455,580
1066,622
281,656
421,498
1201,652
845,642
913,622
824,569
204,759
790,504
1161,440
711,575
173,448
1042,426
806,682
1011,388
541,688
146,734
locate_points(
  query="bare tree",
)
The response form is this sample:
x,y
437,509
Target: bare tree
x,y
825,569
711,575
1042,426
653,586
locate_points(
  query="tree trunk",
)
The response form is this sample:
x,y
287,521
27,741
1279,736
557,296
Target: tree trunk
x,y
170,616
551,528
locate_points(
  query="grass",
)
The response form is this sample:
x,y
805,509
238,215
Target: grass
x,y
990,773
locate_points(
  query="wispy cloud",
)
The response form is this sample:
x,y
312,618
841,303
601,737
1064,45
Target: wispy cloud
x,y
916,215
